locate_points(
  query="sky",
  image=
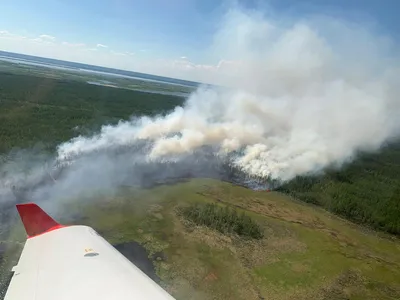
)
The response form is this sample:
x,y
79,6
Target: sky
x,y
165,37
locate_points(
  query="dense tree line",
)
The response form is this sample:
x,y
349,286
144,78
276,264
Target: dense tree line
x,y
223,219
51,111
366,191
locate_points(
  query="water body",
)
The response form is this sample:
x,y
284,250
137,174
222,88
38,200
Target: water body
x,y
139,256
134,77
168,93
32,63
55,63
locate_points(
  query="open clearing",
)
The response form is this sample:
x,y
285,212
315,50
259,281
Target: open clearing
x,y
306,252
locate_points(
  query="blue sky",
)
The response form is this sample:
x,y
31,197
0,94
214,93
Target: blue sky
x,y
156,29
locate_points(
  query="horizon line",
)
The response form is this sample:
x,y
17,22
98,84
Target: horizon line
x,y
99,66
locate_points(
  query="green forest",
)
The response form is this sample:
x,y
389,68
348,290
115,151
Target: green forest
x,y
366,191
51,111
224,219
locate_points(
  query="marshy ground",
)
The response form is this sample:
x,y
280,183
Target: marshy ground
x,y
305,253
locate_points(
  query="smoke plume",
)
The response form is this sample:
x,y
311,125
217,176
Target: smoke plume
x,y
288,99
298,97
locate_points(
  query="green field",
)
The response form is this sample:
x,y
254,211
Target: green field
x,y
304,252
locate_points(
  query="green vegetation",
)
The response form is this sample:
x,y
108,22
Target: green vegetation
x,y
48,111
223,219
366,191
83,77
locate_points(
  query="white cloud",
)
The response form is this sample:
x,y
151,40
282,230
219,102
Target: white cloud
x,y
229,53
47,46
4,34
36,40
118,53
74,45
41,39
47,37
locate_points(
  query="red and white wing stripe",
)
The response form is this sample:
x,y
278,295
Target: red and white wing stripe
x,y
73,263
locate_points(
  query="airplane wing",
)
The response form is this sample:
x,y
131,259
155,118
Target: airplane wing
x,y
72,263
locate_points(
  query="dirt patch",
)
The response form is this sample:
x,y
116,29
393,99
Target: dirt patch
x,y
389,291
211,277
342,239
344,286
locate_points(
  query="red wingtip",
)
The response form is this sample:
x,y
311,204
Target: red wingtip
x,y
35,220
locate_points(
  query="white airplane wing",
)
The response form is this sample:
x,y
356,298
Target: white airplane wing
x,y
73,263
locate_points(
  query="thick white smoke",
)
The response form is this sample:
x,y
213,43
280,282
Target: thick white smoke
x,y
300,97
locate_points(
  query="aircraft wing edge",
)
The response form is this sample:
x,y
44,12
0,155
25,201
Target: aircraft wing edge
x,y
35,220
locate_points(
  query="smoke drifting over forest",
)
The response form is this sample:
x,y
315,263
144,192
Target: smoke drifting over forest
x,y
302,97
298,97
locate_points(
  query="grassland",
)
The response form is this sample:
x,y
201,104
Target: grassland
x,y
306,252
